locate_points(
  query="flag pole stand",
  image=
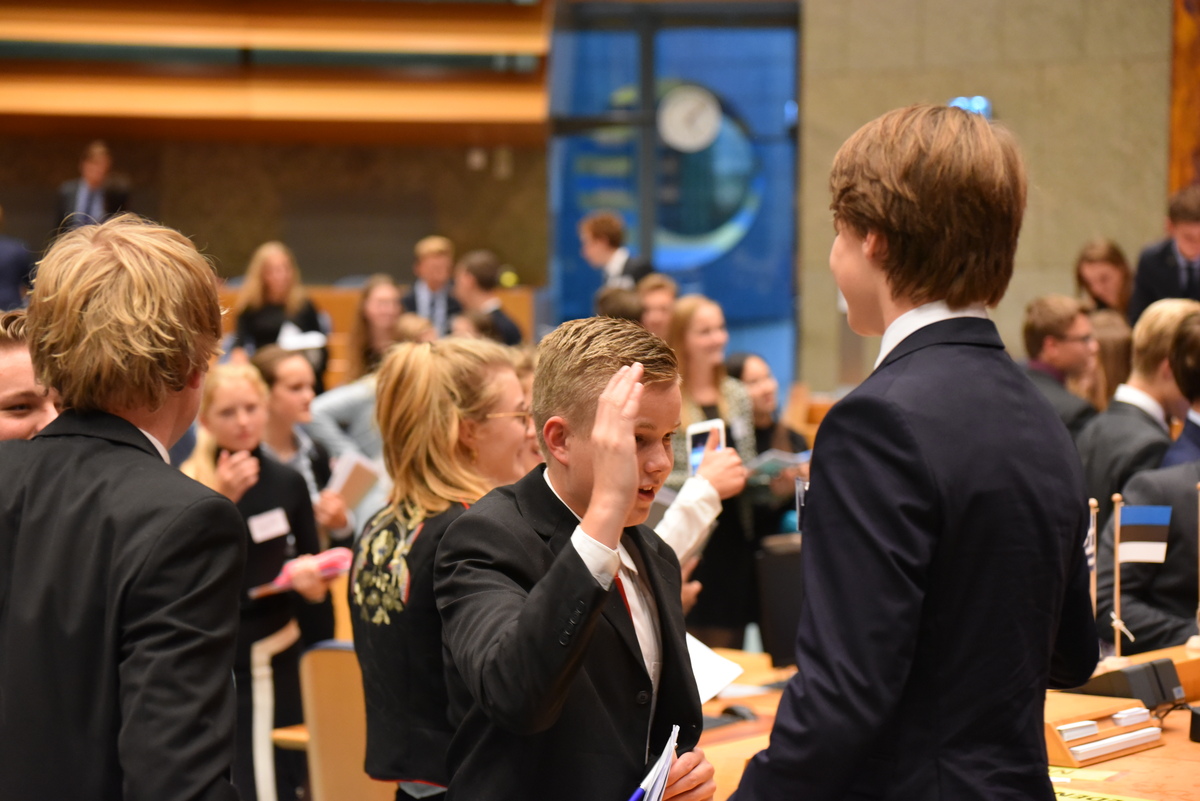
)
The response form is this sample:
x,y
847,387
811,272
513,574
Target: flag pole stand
x,y
1116,662
1193,643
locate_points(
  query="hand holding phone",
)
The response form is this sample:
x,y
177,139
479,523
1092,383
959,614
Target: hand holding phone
x,y
697,439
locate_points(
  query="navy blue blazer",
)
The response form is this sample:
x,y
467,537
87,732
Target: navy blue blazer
x,y
1186,448
1157,277
945,585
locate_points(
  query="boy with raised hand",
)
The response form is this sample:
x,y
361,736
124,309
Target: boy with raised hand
x,y
119,576
561,613
945,585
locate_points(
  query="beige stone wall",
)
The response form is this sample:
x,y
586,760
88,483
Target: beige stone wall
x,y
1084,84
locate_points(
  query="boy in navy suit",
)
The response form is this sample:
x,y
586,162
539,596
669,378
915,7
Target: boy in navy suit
x,y
945,584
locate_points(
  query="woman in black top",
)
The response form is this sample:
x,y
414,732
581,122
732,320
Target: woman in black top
x,y
272,294
455,423
772,498
275,503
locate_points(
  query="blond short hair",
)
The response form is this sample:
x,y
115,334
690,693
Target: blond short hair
x,y
424,392
122,314
251,295
655,282
12,328
1155,331
202,464
433,246
946,190
576,361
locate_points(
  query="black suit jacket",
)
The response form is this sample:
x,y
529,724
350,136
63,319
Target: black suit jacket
x,y
453,307
1158,602
1073,410
547,683
119,585
945,585
1157,278
116,199
1116,444
509,333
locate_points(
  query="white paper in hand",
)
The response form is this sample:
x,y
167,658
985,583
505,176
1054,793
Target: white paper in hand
x,y
655,784
713,672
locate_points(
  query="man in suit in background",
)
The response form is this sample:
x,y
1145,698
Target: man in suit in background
x,y
432,296
16,269
945,584
561,613
95,195
602,244
1061,345
1171,268
1132,434
476,278
119,576
1185,367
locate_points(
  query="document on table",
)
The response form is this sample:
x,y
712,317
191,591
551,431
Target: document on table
x,y
713,672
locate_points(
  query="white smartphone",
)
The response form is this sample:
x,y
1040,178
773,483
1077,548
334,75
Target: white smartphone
x,y
697,440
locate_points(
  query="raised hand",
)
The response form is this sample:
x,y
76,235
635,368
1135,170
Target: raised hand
x,y
236,473
723,469
614,457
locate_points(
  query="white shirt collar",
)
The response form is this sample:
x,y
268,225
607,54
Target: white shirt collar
x,y
158,446
489,305
550,484
616,263
915,319
1194,416
1136,397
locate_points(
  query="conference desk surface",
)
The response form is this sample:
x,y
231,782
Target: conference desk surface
x,y
1168,773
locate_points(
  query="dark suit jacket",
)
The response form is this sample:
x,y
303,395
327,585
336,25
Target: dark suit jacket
x,y
1157,277
1186,448
505,327
1158,602
16,266
945,585
547,683
119,581
637,268
1121,441
116,199
453,307
1073,410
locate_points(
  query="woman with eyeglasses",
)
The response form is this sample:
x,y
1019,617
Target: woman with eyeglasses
x,y
455,424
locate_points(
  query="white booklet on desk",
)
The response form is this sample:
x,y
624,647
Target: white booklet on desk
x,y
713,672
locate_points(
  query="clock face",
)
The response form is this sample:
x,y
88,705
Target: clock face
x,y
689,118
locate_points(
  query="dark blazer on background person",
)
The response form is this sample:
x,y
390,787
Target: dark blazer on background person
x,y
1184,449
116,199
1158,601
409,303
945,585
16,269
1117,443
547,683
1073,410
509,333
1157,277
119,587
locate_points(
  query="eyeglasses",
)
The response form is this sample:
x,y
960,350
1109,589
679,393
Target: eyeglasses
x,y
1086,339
528,416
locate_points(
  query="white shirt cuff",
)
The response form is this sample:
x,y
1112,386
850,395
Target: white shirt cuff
x,y
602,562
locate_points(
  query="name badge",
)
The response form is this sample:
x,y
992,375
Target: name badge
x,y
268,525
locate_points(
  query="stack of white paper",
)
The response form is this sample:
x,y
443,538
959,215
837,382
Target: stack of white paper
x,y
654,786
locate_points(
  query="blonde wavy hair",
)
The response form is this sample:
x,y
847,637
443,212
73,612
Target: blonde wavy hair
x,y
122,314
424,393
681,319
251,295
202,464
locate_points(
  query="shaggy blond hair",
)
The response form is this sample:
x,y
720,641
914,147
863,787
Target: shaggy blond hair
x,y
122,314
251,295
424,392
202,464
1155,331
576,361
12,328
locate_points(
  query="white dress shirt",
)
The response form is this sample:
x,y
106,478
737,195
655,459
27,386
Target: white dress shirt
x,y
915,319
614,270
158,446
604,563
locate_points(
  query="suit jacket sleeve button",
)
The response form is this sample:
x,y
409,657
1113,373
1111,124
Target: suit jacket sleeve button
x,y
643,697
564,639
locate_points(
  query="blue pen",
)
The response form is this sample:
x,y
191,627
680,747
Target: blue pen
x,y
638,794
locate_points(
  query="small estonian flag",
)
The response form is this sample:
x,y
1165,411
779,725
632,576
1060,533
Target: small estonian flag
x,y
1143,534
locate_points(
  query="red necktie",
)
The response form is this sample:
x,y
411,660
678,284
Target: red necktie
x,y
624,597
